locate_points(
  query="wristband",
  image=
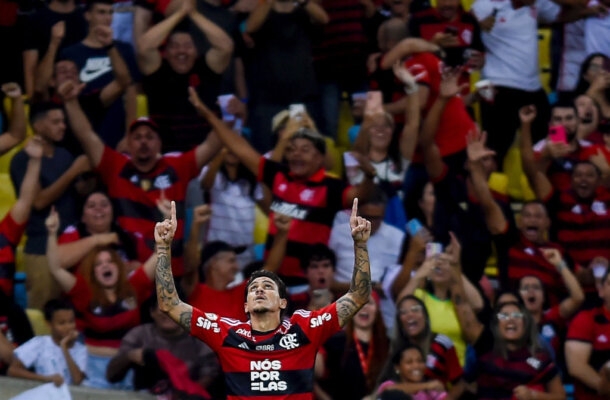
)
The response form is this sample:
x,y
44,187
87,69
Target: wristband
x,y
561,265
411,89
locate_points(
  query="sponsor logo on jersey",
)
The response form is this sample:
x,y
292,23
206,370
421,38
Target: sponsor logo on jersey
x,y
265,376
94,68
319,320
244,332
292,210
208,325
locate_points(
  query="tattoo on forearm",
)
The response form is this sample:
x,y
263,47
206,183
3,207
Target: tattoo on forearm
x,y
185,320
360,287
166,289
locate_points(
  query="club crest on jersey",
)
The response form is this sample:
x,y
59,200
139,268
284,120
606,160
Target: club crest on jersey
x,y
289,341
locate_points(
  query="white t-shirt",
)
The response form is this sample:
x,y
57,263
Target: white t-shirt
x,y
384,248
511,58
47,358
233,214
597,33
572,55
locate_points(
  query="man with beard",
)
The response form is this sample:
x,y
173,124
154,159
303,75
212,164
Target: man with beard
x,y
139,183
580,212
266,357
557,159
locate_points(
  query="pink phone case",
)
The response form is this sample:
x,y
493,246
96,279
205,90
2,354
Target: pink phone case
x,y
558,134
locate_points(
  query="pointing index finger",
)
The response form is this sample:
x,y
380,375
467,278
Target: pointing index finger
x,y
354,208
173,214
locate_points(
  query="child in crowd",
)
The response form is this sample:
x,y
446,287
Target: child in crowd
x,y
409,368
57,357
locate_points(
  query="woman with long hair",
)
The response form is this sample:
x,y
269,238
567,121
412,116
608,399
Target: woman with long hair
x,y
511,363
355,356
594,81
98,227
413,326
106,298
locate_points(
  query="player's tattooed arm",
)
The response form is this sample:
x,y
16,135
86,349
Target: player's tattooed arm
x,y
169,302
360,288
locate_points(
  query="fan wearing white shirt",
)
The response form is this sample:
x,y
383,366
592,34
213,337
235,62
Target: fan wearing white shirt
x,y
57,357
597,30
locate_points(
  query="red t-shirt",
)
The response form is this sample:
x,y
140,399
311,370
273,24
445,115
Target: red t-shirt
x,y
455,122
10,235
106,326
135,195
228,303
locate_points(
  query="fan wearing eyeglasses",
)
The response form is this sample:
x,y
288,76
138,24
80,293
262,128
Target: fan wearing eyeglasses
x,y
511,362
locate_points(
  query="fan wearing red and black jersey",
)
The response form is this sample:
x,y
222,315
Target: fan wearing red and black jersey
x,y
266,356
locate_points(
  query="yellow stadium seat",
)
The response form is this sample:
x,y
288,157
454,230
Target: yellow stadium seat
x,y
499,182
346,121
544,57
261,225
336,156
466,4
39,325
142,106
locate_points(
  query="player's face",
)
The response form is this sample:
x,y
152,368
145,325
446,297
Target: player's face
x,y
144,143
97,213
319,274
303,158
531,291
264,297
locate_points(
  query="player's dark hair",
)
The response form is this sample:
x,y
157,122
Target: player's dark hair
x,y
318,252
54,305
281,286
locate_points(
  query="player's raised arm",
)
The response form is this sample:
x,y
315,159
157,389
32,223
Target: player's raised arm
x,y
169,302
360,287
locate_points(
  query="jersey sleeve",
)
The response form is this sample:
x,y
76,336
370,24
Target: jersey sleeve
x,y
69,235
580,328
210,328
267,170
318,325
11,230
80,294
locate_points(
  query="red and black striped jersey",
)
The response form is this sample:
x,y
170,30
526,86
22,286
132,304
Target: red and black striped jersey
x,y
442,362
270,365
135,194
311,203
592,327
10,235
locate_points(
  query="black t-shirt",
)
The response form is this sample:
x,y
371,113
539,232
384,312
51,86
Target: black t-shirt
x,y
280,68
167,92
37,32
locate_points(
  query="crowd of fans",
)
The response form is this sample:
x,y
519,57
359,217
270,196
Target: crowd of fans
x,y
243,101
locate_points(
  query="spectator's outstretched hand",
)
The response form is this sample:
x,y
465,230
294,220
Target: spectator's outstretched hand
x,y
58,31
201,108
12,90
282,222
34,147
164,231
527,114
361,228
52,222
201,214
70,90
476,148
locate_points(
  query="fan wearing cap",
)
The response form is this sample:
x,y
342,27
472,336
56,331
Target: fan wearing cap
x,y
138,181
207,286
300,189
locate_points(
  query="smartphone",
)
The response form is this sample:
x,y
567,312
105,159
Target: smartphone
x,y
374,103
452,30
558,134
433,249
297,111
414,227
